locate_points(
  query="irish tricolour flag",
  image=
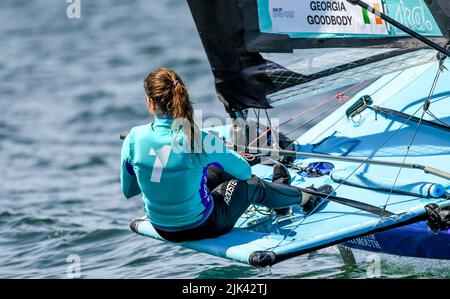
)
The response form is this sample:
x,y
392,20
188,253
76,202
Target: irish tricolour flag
x,y
369,17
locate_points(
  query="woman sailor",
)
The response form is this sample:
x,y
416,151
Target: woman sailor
x,y
191,195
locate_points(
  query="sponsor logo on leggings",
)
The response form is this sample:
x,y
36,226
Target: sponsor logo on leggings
x,y
229,191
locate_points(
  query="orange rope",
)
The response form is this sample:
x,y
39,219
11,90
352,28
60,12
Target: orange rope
x,y
247,156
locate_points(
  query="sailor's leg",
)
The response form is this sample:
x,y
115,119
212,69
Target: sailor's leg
x,y
232,198
216,176
273,195
278,195
230,202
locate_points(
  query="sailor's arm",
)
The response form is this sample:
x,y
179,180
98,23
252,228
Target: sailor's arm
x,y
128,180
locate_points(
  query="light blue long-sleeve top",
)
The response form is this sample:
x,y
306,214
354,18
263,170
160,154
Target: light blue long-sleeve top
x,y
173,181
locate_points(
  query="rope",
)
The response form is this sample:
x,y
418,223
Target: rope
x,y
441,99
311,120
437,118
425,107
274,142
341,97
247,156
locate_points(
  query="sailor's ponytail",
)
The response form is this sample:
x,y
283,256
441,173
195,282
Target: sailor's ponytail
x,y
181,105
166,88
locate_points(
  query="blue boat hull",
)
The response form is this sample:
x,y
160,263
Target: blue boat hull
x,y
415,240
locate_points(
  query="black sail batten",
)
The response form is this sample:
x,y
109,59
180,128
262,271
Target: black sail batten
x,y
249,74
273,71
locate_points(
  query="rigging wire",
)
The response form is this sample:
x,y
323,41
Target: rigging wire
x,y
425,108
437,118
257,115
441,99
275,143
341,97
312,119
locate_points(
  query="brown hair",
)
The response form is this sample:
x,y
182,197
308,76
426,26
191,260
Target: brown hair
x,y
166,88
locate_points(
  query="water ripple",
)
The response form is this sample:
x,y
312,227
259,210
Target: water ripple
x,y
69,88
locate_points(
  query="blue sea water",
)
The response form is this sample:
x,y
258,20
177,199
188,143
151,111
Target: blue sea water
x,y
68,88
